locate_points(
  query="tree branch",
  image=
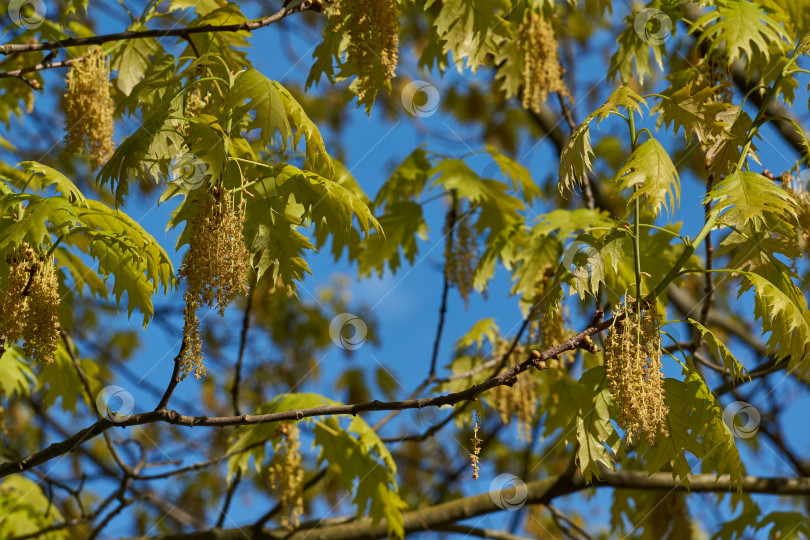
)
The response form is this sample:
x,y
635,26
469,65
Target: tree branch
x,y
506,377
438,517
18,73
183,33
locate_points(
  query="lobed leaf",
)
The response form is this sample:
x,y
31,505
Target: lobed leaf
x,y
695,425
719,350
747,197
650,170
356,455
740,27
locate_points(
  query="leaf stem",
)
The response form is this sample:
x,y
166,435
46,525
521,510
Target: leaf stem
x,y
662,229
687,252
54,246
636,215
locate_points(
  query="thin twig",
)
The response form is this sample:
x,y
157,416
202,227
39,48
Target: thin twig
x,y
451,225
175,379
237,377
18,73
200,465
709,288
257,527
183,33
536,360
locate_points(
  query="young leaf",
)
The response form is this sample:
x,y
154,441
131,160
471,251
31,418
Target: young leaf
x,y
254,93
155,261
43,216
408,180
41,176
275,244
785,525
145,155
694,111
650,168
17,376
719,350
724,149
589,257
81,274
132,59
746,197
737,27
59,379
518,174
695,425
120,258
26,510
485,328
590,426
633,51
785,316
575,158
499,210
403,224
317,160
468,28
355,453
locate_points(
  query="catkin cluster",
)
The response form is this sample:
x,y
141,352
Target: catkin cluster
x,y
373,49
215,268
287,475
476,446
196,102
520,399
461,252
633,366
29,304
548,330
89,108
542,72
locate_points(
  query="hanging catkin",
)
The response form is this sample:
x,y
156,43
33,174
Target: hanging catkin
x,y
89,108
287,475
29,304
372,27
461,251
214,269
633,366
542,72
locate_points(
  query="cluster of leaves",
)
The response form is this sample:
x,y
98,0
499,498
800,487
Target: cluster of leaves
x,y
205,105
354,455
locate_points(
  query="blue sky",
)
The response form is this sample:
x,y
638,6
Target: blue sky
x,y
406,305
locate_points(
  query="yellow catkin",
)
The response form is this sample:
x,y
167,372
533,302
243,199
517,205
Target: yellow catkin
x,y
89,108
287,475
373,30
42,322
13,301
476,446
518,400
633,367
542,71
29,304
461,252
214,268
196,102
